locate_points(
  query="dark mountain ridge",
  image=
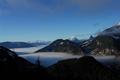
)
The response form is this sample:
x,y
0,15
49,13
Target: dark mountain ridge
x,y
17,68
61,45
85,68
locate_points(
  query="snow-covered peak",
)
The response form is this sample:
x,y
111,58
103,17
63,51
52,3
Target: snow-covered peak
x,y
112,30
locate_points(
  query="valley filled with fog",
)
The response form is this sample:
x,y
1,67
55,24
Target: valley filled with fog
x,y
49,58
27,50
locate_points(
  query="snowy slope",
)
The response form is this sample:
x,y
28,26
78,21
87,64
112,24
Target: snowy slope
x,y
112,30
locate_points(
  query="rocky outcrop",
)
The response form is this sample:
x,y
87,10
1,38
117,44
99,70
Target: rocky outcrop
x,y
104,45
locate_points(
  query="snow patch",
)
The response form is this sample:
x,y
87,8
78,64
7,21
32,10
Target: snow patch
x,y
110,31
61,43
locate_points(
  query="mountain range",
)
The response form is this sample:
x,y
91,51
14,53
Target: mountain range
x,y
61,45
106,42
23,44
83,68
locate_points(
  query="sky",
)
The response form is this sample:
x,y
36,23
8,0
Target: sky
x,y
31,20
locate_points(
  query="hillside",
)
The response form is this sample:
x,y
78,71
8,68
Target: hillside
x,y
61,45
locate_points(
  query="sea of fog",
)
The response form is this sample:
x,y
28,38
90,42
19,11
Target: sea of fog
x,y
21,51
49,58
